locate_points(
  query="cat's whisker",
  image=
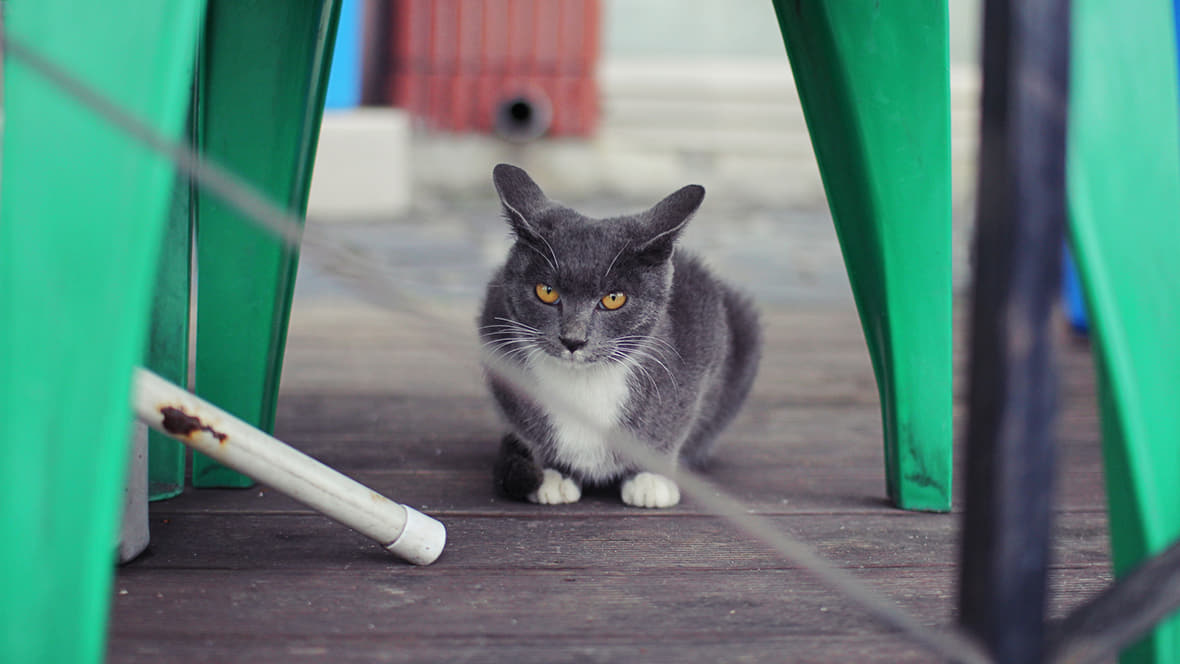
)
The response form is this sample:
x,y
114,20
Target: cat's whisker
x,y
524,355
532,355
508,332
505,345
636,346
515,322
634,364
505,326
506,349
509,341
642,340
521,353
664,346
643,353
500,335
628,357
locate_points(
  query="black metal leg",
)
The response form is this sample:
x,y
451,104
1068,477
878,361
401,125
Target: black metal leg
x,y
1021,220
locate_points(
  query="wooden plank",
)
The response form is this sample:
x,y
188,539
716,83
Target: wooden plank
x,y
627,540
771,490
373,431
367,427
395,602
569,649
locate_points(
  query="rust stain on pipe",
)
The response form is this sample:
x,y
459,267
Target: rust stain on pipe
x,y
182,424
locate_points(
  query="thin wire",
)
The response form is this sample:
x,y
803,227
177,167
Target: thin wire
x,y
953,644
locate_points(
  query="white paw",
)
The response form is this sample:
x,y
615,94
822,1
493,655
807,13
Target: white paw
x,y
556,489
650,490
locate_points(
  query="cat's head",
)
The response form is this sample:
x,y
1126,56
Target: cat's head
x,y
586,290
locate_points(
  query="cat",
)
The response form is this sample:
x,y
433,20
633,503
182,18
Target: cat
x,y
609,332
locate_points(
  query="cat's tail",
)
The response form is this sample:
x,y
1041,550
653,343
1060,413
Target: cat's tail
x,y
515,474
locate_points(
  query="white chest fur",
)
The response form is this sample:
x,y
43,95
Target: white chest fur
x,y
584,406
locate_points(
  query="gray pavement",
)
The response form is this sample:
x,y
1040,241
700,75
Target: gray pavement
x,y
444,251
447,252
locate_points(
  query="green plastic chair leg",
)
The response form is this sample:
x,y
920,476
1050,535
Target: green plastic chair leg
x,y
1124,196
81,217
262,77
168,338
874,82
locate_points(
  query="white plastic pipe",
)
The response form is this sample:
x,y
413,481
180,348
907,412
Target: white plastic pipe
x,y
402,530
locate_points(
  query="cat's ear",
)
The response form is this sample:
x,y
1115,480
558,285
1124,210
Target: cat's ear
x,y
521,197
664,222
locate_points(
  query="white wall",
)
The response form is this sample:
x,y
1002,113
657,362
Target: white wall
x,y
733,29
690,29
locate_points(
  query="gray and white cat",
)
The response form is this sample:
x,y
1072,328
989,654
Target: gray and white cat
x,y
610,333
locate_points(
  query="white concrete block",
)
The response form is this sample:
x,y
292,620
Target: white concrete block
x,y
362,165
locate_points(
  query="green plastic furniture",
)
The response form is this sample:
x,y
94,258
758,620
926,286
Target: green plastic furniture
x,y
168,337
874,81
256,111
81,219
1124,199
90,221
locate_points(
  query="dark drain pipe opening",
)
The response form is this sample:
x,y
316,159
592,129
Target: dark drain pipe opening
x,y
523,117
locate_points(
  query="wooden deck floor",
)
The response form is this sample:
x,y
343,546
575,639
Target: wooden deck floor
x,y
251,576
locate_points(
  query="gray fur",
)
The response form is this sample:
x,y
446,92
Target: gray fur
x,y
692,342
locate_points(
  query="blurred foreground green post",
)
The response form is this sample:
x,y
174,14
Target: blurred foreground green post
x,y
81,218
1124,199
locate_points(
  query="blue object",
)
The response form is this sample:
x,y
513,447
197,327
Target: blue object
x,y
344,81
1071,291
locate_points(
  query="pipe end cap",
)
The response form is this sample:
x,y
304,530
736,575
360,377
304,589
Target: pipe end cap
x,y
422,539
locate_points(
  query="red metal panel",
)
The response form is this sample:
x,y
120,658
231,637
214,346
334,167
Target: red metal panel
x,y
546,46
486,86
520,36
471,36
495,35
591,23
587,105
570,28
453,62
444,37
565,115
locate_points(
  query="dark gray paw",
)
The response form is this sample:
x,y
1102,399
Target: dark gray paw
x,y
515,474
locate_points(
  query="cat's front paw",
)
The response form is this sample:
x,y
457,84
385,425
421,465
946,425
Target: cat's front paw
x,y
650,490
556,489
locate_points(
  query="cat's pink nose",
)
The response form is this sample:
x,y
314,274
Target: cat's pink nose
x,y
572,344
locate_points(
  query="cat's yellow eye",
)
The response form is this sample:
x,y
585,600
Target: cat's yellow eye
x,y
547,294
612,301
